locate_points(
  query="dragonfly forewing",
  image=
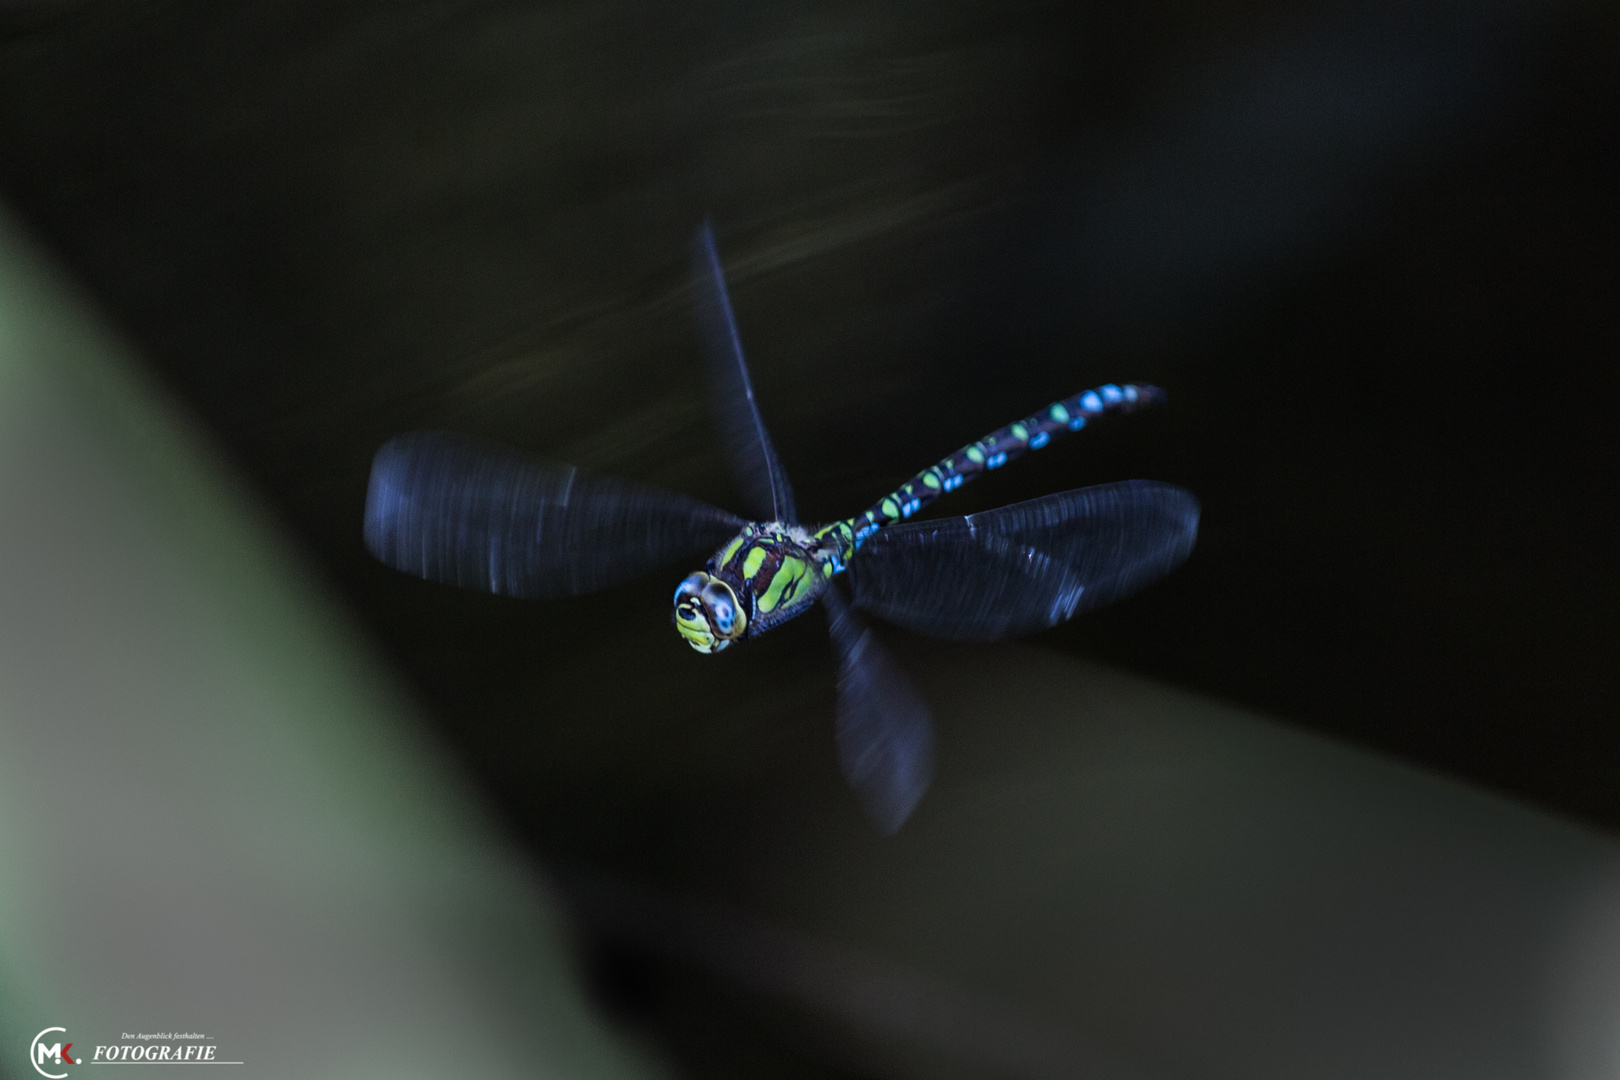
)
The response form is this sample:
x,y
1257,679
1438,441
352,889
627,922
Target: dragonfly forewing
x,y
750,455
463,512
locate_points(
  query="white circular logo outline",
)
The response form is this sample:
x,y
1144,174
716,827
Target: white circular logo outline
x,y
33,1054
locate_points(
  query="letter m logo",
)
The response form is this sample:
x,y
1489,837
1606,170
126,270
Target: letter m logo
x,y
43,1053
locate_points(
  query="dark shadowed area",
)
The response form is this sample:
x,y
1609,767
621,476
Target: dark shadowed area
x,y
1370,250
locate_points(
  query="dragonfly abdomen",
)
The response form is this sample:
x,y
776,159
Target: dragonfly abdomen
x,y
991,452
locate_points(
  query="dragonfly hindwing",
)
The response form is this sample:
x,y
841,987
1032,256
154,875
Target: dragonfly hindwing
x,y
1025,567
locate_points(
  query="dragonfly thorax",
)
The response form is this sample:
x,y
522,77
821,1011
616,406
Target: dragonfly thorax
x,y
768,573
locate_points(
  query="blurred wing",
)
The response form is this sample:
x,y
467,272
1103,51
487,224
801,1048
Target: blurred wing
x,y
754,465
463,512
885,736
1028,566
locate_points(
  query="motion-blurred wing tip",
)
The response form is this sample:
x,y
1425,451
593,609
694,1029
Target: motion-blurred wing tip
x,y
389,501
1191,512
382,496
889,800
703,244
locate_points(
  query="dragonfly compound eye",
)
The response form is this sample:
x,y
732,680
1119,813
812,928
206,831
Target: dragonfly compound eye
x,y
707,614
690,586
722,605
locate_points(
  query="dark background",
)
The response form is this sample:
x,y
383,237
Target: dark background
x,y
1371,251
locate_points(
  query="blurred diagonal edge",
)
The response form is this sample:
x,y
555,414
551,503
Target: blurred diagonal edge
x,y
878,1000
817,234
214,802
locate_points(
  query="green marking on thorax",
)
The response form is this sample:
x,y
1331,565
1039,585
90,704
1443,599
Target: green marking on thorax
x,y
784,581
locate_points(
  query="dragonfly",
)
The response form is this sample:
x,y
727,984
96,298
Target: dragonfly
x,y
457,510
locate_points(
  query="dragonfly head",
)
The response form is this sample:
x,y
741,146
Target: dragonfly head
x,y
707,613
